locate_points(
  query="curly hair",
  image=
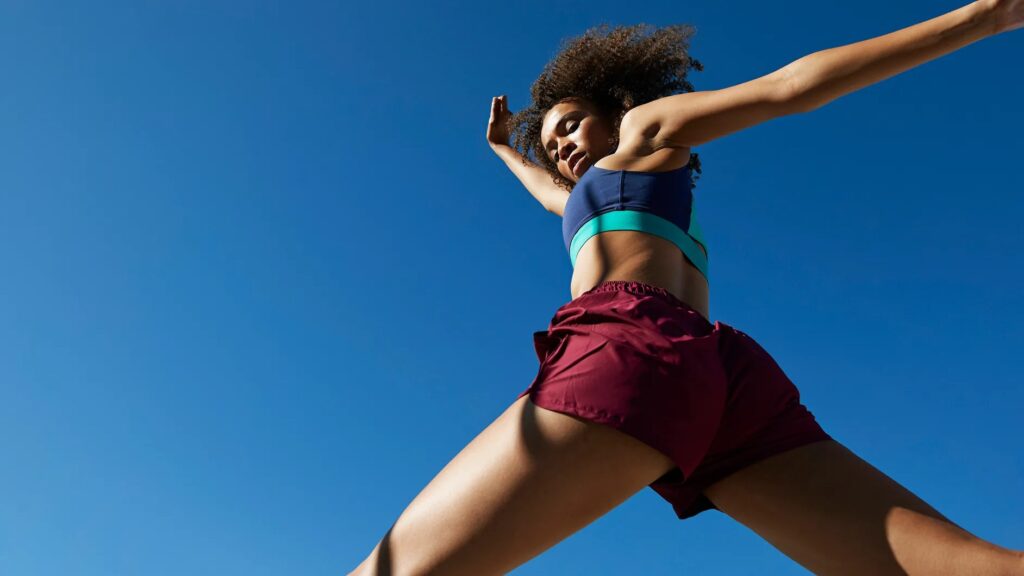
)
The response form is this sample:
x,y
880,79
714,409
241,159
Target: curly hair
x,y
613,68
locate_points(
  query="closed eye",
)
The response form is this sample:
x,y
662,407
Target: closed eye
x,y
570,126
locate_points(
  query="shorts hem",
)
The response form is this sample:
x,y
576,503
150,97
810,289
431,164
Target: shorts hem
x,y
697,502
603,417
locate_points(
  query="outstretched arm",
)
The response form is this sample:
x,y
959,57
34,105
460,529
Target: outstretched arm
x,y
693,118
821,77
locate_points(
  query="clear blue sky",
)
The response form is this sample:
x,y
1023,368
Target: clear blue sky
x,y
263,278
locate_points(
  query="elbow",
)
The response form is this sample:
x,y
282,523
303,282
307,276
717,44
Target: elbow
x,y
798,97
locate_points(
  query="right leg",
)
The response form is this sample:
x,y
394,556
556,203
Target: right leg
x,y
532,478
829,510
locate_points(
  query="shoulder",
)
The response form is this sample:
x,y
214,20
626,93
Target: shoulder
x,y
640,148
637,159
640,128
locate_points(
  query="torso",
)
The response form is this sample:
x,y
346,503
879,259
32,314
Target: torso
x,y
629,255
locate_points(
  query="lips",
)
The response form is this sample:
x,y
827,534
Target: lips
x,y
574,161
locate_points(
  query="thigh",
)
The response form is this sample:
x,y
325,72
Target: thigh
x,y
530,479
834,513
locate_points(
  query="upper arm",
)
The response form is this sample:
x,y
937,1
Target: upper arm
x,y
693,118
556,204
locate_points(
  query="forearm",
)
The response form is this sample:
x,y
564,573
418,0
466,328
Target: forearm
x,y
535,179
819,78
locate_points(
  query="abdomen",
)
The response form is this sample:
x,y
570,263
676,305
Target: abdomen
x,y
642,257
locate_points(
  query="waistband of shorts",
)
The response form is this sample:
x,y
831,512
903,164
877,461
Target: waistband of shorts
x,y
636,287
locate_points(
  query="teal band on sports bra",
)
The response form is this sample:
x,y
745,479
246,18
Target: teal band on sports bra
x,y
643,222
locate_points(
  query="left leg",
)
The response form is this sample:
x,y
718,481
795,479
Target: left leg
x,y
834,513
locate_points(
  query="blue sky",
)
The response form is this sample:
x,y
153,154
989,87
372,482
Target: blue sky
x,y
263,278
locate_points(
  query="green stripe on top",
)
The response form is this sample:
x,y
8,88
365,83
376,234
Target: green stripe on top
x,y
640,222
695,230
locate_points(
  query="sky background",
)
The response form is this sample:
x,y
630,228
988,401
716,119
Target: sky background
x,y
262,277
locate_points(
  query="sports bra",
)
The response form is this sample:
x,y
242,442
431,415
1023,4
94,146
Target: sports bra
x,y
658,203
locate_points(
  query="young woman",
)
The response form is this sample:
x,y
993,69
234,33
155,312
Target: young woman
x,y
637,387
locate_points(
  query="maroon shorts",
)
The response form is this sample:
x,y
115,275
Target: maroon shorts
x,y
636,358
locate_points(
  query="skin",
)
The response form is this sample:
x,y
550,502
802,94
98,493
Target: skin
x,y
535,476
575,129
576,136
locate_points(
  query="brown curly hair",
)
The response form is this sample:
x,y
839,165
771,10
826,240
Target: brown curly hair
x,y
615,68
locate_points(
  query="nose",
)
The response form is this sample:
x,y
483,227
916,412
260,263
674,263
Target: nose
x,y
565,149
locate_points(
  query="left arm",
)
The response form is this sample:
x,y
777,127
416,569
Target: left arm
x,y
693,118
821,77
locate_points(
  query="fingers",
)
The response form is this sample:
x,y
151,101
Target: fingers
x,y
498,125
499,106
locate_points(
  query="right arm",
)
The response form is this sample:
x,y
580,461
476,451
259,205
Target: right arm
x,y
537,180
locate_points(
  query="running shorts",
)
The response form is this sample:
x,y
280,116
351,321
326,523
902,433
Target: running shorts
x,y
634,357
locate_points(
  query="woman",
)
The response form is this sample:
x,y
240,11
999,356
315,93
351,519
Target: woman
x,y
636,386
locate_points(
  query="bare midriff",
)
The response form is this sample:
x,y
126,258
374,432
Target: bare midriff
x,y
638,256
641,257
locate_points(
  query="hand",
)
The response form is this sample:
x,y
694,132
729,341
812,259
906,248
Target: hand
x,y
497,126
1008,14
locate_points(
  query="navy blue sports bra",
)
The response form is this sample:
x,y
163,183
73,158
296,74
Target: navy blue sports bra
x,y
658,203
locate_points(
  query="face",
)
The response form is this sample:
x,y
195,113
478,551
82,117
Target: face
x,y
575,136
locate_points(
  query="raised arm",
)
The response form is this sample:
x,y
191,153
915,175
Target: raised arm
x,y
821,77
690,119
536,179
